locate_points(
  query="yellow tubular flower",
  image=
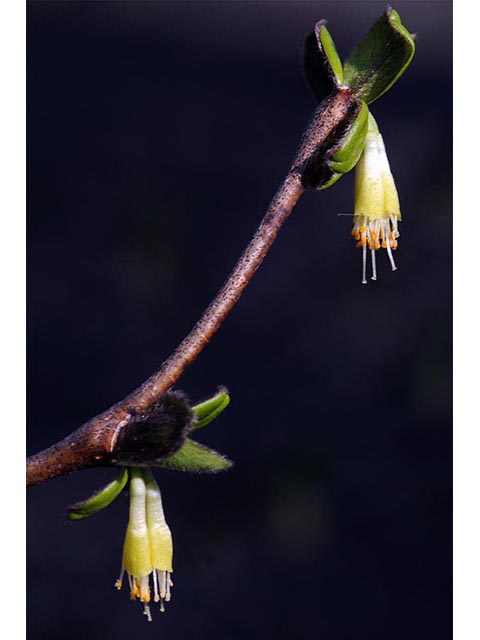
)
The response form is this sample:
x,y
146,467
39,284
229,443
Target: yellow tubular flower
x,y
136,548
161,545
377,209
148,545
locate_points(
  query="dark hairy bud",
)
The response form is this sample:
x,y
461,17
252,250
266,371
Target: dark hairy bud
x,y
153,434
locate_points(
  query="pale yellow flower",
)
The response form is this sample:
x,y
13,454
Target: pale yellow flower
x,y
377,209
161,545
148,548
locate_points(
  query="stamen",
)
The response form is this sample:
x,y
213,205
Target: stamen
x,y
146,612
394,223
169,583
163,584
119,582
156,597
134,591
374,266
364,264
392,261
144,589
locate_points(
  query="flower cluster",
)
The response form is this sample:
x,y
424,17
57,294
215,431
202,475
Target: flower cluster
x,y
148,548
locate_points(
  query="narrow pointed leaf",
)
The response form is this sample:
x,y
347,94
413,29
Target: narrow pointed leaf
x,y
345,155
380,58
325,40
321,171
99,500
196,458
207,411
323,68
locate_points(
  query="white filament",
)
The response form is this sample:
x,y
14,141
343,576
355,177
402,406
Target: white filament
x,y
389,251
374,266
364,264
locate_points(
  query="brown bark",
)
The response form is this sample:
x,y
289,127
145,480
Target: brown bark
x,y
93,444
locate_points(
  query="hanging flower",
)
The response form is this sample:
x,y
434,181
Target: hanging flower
x,y
371,70
377,209
160,538
148,549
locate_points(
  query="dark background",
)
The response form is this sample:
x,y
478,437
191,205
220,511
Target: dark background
x,y
157,133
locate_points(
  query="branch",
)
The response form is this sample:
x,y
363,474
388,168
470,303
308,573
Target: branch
x,y
95,443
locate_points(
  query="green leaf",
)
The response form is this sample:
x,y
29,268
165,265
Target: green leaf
x,y
323,68
347,153
196,458
100,499
325,41
345,150
380,58
207,411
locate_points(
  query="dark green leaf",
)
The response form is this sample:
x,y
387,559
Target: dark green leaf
x,y
380,58
348,151
322,167
323,68
207,411
100,499
195,458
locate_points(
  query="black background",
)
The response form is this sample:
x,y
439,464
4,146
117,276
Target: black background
x,y
157,133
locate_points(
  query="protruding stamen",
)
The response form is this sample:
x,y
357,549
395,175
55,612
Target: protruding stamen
x,y
364,264
119,582
146,612
163,584
392,261
144,589
156,597
374,266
